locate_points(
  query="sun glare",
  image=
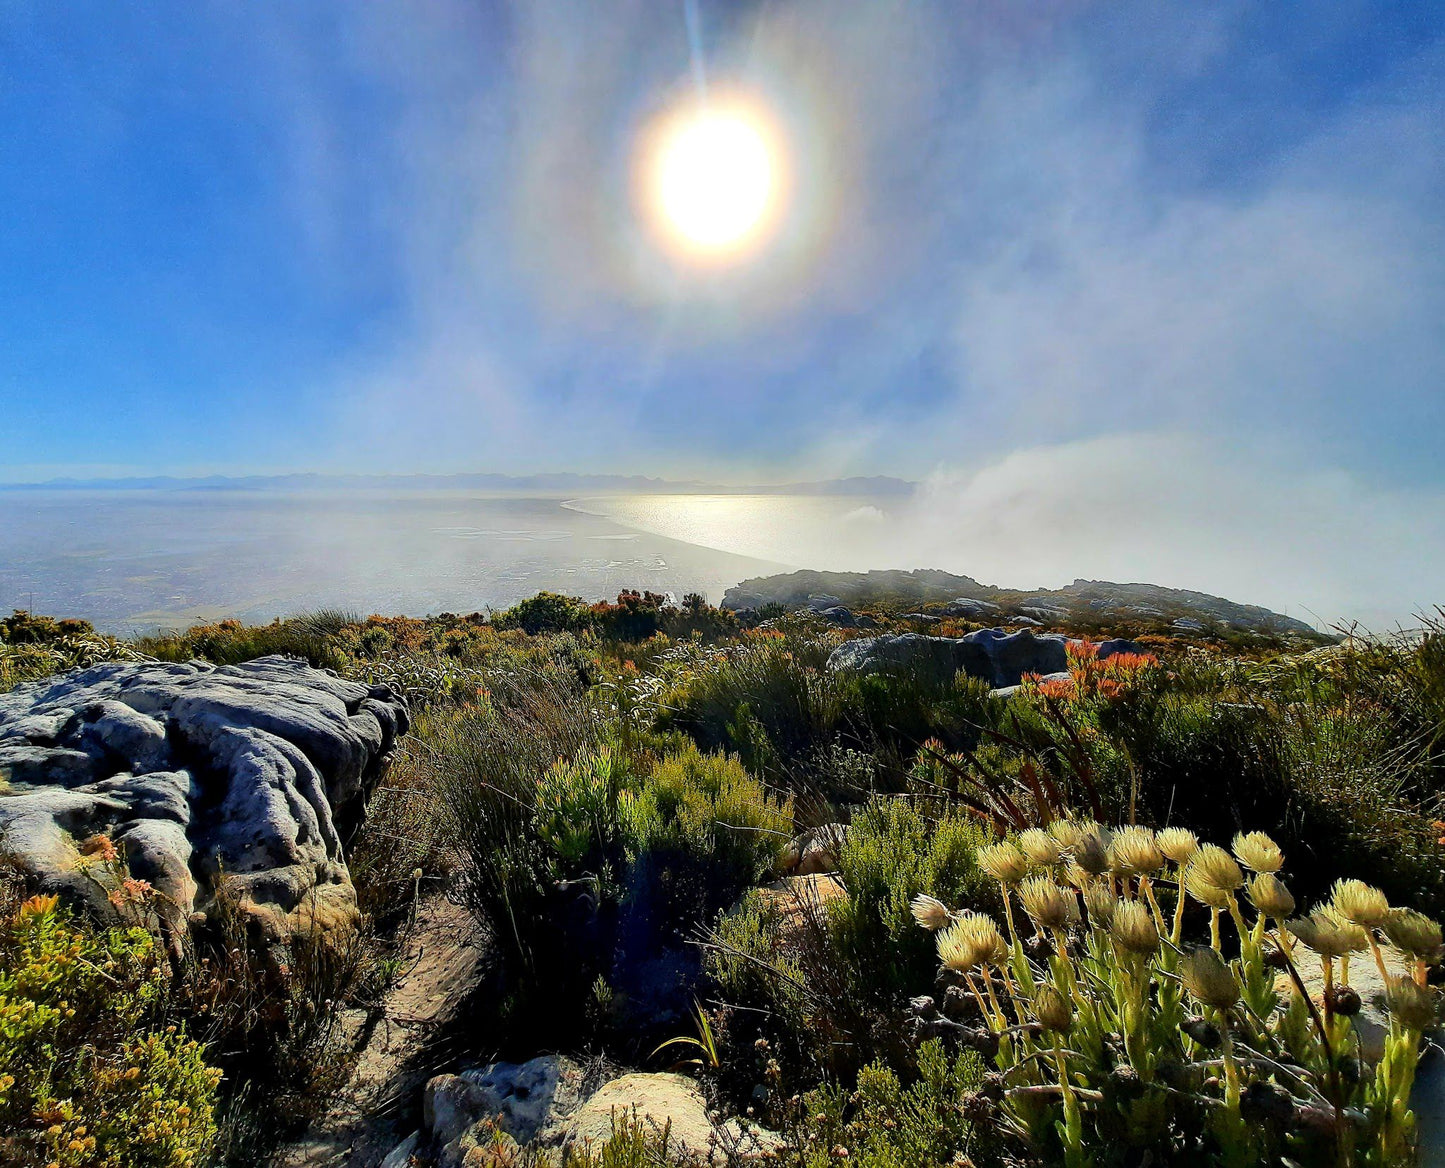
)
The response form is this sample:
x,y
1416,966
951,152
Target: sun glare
x,y
713,181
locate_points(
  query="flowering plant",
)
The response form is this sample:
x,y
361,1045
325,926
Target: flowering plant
x,y
1111,1029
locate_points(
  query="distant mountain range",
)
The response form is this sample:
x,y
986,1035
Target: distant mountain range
x,y
1082,604
550,484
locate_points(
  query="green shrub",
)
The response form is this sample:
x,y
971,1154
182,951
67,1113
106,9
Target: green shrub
x,y
706,807
894,852
84,1081
229,642
827,987
547,612
888,1125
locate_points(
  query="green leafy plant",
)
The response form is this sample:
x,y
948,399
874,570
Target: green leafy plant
x,y
704,1042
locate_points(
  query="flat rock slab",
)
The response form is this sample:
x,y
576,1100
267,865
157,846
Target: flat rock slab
x,y
658,1101
250,777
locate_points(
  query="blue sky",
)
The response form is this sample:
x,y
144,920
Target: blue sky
x,y
399,237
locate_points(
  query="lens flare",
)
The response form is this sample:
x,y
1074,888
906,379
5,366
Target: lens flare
x,y
713,180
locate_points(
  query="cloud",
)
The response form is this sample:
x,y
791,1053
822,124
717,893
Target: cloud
x,y
1187,512
1159,508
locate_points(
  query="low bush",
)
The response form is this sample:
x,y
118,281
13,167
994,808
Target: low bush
x,y
885,1124
825,989
89,1075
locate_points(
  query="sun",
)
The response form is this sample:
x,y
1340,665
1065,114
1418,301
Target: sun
x,y
713,180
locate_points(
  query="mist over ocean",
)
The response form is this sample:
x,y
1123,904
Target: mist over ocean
x,y
131,560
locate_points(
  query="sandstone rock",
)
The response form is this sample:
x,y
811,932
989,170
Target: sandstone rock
x,y
744,1140
1117,645
994,655
450,1105
966,606
813,851
659,1101
800,901
251,776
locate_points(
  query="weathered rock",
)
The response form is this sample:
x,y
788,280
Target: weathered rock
x,y
1115,646
401,1155
528,1098
1008,691
1048,613
966,606
658,1101
250,776
821,602
994,655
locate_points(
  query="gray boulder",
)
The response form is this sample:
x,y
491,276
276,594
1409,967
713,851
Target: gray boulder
x,y
253,777
1117,645
966,606
998,657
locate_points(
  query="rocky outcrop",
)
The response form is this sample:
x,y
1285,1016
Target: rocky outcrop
x,y
485,1116
251,778
898,591
997,657
993,655
813,851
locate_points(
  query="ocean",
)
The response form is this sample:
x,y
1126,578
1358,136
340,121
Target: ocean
x,y
145,559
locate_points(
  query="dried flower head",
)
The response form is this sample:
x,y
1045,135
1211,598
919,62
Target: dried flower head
x,y
1065,831
956,948
1359,903
1053,1009
982,932
1268,894
1208,978
1257,852
1101,904
1091,848
1178,843
1040,847
1004,862
1411,1004
1212,875
1413,933
930,912
1328,935
1133,852
1133,928
1048,905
